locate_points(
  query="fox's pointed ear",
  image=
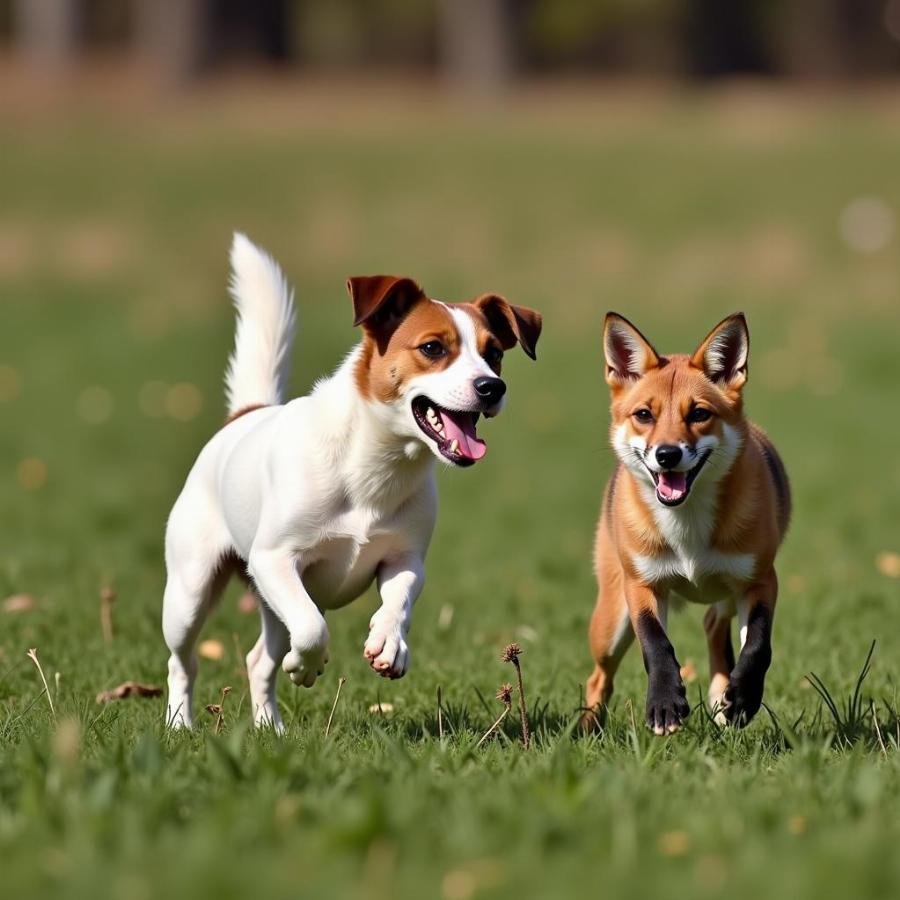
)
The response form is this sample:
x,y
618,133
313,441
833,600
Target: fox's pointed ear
x,y
723,354
629,355
380,299
511,324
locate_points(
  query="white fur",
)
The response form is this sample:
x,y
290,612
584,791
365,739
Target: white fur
x,y
700,572
320,496
260,364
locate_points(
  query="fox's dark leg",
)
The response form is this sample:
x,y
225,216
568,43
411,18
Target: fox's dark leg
x,y
667,705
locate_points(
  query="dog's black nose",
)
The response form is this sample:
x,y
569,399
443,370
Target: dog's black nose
x,y
668,455
490,389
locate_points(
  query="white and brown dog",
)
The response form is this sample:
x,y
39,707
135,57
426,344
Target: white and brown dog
x,y
316,498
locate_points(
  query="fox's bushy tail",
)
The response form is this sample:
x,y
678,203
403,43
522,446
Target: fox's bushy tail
x,y
259,366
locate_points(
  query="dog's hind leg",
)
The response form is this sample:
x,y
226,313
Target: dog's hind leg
x,y
192,588
717,624
263,662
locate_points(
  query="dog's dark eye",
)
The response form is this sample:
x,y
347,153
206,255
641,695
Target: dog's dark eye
x,y
433,349
493,355
644,416
699,414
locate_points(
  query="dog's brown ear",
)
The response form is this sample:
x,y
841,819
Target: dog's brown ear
x,y
378,299
723,353
629,355
511,324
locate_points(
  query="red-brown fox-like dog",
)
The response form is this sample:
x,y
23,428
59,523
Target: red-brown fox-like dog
x,y
695,510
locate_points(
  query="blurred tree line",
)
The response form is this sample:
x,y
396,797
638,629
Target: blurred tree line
x,y
483,43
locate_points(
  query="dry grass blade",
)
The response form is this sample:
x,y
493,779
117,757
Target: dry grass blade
x,y
337,697
505,696
440,713
32,655
107,599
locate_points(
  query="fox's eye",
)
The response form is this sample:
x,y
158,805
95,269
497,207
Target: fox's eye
x,y
699,414
433,349
493,355
644,416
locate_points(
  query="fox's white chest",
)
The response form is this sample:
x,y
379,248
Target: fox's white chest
x,y
690,566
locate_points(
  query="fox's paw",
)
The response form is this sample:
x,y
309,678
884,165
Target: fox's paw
x,y
742,699
667,706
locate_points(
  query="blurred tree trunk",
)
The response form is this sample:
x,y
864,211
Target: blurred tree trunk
x,y
49,31
173,36
476,44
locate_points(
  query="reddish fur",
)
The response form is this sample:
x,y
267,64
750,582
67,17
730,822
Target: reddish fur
x,y
751,517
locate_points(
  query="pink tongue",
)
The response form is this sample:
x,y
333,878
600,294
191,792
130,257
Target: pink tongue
x,y
461,427
672,485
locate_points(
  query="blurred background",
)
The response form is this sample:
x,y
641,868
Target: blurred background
x,y
675,161
484,45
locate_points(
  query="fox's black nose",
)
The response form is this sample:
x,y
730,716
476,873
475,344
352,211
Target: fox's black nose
x,y
668,455
490,389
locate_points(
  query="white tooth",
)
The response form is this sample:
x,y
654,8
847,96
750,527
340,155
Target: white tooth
x,y
430,414
438,428
454,446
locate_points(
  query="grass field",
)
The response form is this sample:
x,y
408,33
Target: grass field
x,y
115,329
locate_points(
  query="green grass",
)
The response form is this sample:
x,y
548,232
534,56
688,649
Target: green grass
x,y
113,239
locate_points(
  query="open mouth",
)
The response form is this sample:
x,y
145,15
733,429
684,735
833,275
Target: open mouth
x,y
672,488
452,430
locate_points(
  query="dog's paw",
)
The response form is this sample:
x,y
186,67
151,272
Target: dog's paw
x,y
306,659
386,649
667,705
742,699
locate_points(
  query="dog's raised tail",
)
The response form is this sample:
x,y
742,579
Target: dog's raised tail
x,y
259,366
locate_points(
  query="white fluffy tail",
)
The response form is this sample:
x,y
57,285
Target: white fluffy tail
x,y
258,368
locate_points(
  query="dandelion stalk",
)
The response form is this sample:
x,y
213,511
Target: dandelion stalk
x,y
32,655
218,709
511,655
337,697
504,695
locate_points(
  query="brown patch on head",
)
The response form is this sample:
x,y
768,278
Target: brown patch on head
x,y
390,359
509,324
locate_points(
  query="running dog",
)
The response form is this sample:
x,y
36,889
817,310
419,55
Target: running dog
x,y
694,511
314,499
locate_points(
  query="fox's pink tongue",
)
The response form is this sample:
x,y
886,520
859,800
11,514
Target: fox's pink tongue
x,y
460,426
672,485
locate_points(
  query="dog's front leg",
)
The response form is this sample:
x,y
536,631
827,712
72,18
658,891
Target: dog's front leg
x,y
756,609
276,576
667,704
399,583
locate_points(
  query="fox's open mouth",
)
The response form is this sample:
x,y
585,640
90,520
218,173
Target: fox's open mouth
x,y
672,488
452,430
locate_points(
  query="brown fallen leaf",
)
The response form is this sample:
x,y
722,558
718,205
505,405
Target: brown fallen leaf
x,y
247,603
18,603
688,671
211,649
888,563
129,689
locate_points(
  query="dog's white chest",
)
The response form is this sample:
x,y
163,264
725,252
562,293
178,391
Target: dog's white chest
x,y
344,562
